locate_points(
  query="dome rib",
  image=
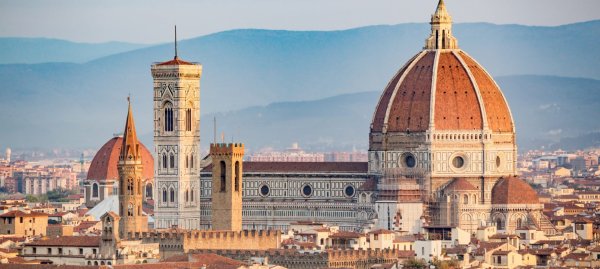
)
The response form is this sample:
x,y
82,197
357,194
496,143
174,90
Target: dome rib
x,y
476,87
493,98
410,106
399,84
457,107
379,114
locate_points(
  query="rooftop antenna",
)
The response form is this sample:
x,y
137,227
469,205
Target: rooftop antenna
x,y
176,41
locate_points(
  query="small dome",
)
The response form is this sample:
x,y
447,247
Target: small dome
x,y
104,164
460,184
513,190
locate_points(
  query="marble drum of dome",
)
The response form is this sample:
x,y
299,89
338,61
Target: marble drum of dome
x,y
443,114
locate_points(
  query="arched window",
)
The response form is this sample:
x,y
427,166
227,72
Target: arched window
x,y
172,159
192,160
466,199
192,195
164,160
237,176
164,195
172,195
188,119
499,224
149,190
223,180
187,162
130,210
187,196
519,223
95,190
129,186
168,117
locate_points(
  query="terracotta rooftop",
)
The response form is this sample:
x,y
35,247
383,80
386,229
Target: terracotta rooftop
x,y
460,184
175,61
19,213
302,167
74,241
345,234
512,190
104,164
369,185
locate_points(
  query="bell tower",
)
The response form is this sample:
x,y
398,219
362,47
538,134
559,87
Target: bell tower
x,y
130,182
227,162
176,143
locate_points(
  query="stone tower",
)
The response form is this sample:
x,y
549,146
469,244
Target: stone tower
x,y
130,182
227,162
176,143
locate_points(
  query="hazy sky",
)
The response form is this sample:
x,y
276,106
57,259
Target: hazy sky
x,y
151,21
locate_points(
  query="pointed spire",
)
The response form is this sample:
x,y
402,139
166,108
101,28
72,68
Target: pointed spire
x,y
176,57
441,29
130,148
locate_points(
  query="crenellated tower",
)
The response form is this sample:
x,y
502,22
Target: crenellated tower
x,y
176,143
227,167
130,166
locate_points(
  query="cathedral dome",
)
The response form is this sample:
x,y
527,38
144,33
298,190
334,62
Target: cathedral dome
x,y
442,88
104,164
512,190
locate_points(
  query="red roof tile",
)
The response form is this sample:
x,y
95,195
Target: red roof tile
x,y
175,61
104,164
75,241
513,190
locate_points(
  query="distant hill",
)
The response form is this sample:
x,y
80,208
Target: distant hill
x,y
548,111
81,105
16,50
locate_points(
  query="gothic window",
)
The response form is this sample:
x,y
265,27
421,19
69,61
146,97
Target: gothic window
x,y
129,186
168,124
149,190
172,160
192,161
223,188
172,195
466,199
187,162
164,160
130,210
187,196
519,223
164,195
237,176
95,190
188,119
192,195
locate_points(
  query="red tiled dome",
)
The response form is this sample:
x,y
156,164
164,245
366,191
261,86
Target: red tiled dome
x,y
104,164
460,184
452,92
513,190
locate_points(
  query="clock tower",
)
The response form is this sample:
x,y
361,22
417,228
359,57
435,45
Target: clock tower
x,y
176,143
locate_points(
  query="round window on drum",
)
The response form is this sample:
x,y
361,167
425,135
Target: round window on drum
x,y
409,160
458,162
307,190
349,191
264,190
